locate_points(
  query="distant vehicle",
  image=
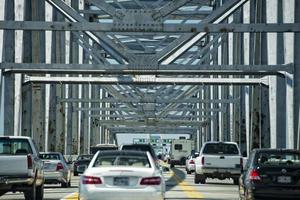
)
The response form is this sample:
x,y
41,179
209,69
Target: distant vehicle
x,y
218,160
190,163
102,147
81,163
180,149
140,147
56,169
21,168
271,173
122,175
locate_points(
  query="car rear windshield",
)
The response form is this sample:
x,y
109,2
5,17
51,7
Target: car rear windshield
x,y
14,146
278,158
49,156
85,157
221,148
122,160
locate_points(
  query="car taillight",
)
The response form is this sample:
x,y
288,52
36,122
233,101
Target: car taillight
x,y
29,161
202,161
59,166
254,175
192,162
151,181
91,180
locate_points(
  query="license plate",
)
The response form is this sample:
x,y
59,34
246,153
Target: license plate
x,y
284,179
121,181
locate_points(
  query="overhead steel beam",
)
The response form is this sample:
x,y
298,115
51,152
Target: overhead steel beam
x,y
130,110
147,100
173,51
166,28
98,37
155,122
153,129
147,81
173,69
105,7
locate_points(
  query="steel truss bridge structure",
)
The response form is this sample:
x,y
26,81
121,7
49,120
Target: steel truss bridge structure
x,y
78,72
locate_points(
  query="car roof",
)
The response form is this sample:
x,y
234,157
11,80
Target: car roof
x,y
50,153
219,142
123,152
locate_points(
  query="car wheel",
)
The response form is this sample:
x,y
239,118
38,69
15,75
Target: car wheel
x,y
64,185
75,173
188,171
197,178
69,183
235,181
40,192
31,193
202,180
171,165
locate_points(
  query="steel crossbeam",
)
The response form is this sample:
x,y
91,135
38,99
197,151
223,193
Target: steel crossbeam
x,y
149,81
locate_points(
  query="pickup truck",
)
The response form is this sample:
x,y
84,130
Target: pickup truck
x,y
218,160
21,168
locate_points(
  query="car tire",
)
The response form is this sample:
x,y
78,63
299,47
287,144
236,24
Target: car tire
x,y
188,171
69,183
197,178
40,192
202,180
235,181
31,193
75,173
171,165
64,185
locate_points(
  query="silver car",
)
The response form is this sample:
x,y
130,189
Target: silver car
x,y
56,169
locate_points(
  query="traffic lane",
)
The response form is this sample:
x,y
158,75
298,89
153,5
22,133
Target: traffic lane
x,y
51,191
185,188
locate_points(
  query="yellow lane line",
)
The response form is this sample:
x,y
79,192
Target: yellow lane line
x,y
190,191
73,196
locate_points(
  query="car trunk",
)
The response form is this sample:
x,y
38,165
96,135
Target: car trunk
x,y
280,175
120,177
50,165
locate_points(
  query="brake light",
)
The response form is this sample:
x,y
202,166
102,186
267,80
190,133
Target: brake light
x,y
59,166
192,162
29,161
151,181
254,175
202,160
91,180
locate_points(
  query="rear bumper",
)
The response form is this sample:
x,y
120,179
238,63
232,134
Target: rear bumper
x,y
55,177
190,167
219,172
4,180
117,194
276,192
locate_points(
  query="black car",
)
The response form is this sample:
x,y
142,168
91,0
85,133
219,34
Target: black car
x,y
271,174
81,163
140,147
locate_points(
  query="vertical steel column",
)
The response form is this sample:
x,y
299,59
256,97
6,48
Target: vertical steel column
x,y
255,55
265,112
58,56
246,89
297,77
8,55
74,58
38,55
27,89
289,17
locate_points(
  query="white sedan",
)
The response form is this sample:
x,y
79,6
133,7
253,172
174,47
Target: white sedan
x,y
122,175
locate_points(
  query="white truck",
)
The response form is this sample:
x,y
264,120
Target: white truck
x,y
21,168
180,149
218,160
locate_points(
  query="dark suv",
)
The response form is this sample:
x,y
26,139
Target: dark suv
x,y
140,147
